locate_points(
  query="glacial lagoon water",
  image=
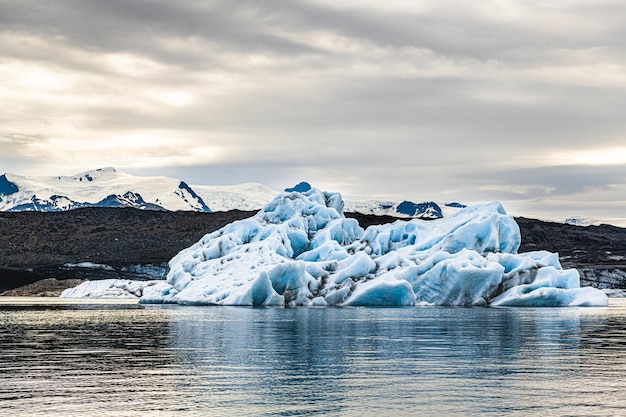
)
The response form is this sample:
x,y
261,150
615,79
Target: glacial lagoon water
x,y
66,358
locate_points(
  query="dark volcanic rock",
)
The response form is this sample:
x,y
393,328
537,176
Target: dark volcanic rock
x,y
598,252
49,287
99,243
134,244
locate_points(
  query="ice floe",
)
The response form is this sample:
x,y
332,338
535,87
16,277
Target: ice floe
x,y
110,288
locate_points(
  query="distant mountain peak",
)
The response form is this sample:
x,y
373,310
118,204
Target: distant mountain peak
x,y
105,170
426,210
184,187
7,187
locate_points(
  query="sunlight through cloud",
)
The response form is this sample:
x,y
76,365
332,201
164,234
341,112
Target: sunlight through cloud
x,y
597,156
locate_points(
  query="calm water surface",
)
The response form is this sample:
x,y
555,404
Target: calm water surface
x,y
129,360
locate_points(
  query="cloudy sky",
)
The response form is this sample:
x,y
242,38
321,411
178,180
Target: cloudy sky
x,y
522,101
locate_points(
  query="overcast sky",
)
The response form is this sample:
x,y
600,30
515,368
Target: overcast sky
x,y
518,101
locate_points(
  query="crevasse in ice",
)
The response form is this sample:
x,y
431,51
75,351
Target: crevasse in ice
x,y
301,250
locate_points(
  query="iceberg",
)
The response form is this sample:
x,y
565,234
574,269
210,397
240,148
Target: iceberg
x,y
300,250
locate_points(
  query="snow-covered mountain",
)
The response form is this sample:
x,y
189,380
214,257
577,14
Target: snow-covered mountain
x,y
104,187
427,210
108,187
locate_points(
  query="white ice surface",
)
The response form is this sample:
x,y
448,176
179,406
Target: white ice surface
x,y
301,250
110,288
248,196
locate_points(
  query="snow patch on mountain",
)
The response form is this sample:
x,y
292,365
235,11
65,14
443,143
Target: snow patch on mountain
x,y
248,196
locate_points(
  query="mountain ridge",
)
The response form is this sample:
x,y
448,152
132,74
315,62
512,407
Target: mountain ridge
x,y
108,187
103,187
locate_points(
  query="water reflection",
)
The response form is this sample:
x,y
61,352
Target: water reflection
x,y
434,359
165,360
56,360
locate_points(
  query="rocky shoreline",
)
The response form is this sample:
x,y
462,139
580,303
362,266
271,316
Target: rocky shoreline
x,y
49,287
126,243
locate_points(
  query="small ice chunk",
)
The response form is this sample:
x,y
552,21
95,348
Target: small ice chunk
x,y
384,293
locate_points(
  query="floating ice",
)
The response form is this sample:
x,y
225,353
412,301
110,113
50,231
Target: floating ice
x,y
301,250
110,288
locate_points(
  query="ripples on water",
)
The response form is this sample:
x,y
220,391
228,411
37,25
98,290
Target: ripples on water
x,y
130,360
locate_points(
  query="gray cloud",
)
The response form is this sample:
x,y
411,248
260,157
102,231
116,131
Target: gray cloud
x,y
557,181
134,26
459,101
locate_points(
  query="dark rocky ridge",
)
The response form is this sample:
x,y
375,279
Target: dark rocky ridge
x,y
598,252
49,287
134,244
137,244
